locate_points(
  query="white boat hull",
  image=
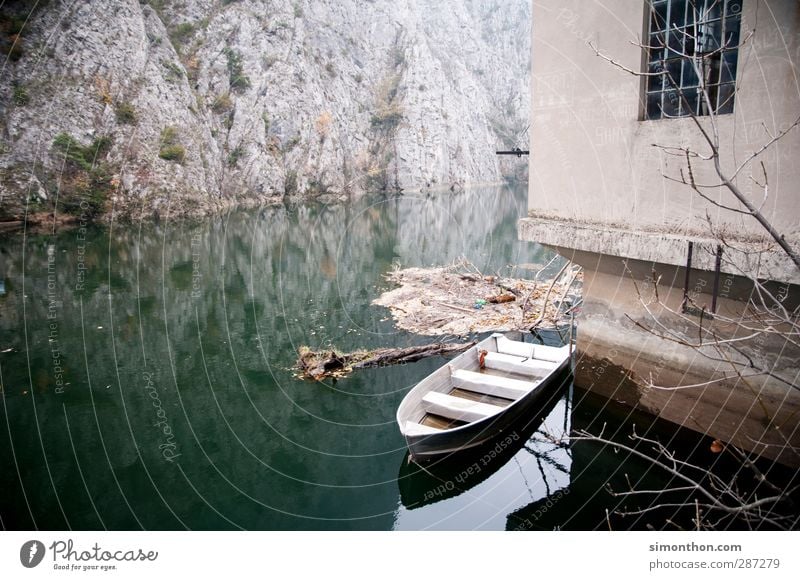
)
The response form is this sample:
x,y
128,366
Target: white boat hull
x,y
474,399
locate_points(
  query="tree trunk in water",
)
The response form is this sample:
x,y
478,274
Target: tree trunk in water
x,y
318,365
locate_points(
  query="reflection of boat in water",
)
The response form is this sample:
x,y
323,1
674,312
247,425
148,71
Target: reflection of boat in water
x,y
541,515
478,396
445,478
595,468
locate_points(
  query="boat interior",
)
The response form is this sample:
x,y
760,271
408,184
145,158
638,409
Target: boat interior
x,y
465,391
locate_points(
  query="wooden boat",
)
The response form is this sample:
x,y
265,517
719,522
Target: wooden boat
x,y
424,485
477,396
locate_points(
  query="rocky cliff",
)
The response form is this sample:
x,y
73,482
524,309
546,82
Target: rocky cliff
x,y
176,107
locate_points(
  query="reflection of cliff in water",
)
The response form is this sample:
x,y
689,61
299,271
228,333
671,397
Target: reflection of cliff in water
x,y
207,318
479,224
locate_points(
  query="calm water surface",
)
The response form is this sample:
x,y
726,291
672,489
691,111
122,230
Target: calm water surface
x,y
147,382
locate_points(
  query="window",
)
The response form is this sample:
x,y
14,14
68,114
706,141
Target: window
x,y
691,44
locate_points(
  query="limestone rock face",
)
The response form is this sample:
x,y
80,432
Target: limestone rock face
x,y
207,102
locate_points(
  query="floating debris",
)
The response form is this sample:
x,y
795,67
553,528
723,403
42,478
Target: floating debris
x,y
329,363
459,300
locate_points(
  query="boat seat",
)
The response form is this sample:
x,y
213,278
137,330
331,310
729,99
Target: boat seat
x,y
537,351
519,365
491,384
507,346
412,429
457,408
554,354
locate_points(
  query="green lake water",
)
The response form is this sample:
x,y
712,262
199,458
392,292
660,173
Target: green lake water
x,y
147,382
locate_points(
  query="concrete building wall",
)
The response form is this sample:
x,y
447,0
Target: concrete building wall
x,y
598,195
592,157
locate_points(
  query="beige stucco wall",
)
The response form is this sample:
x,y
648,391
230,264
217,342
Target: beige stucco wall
x,y
620,360
592,159
597,195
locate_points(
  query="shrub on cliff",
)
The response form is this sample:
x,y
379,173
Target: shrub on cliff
x,y
181,34
239,81
85,182
171,148
21,96
222,103
125,113
79,156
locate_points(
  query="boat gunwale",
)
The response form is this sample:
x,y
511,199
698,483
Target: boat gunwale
x,y
541,385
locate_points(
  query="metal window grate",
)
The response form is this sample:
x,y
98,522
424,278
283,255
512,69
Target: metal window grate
x,y
691,44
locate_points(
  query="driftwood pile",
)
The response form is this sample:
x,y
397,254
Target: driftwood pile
x,y
459,300
456,300
329,363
